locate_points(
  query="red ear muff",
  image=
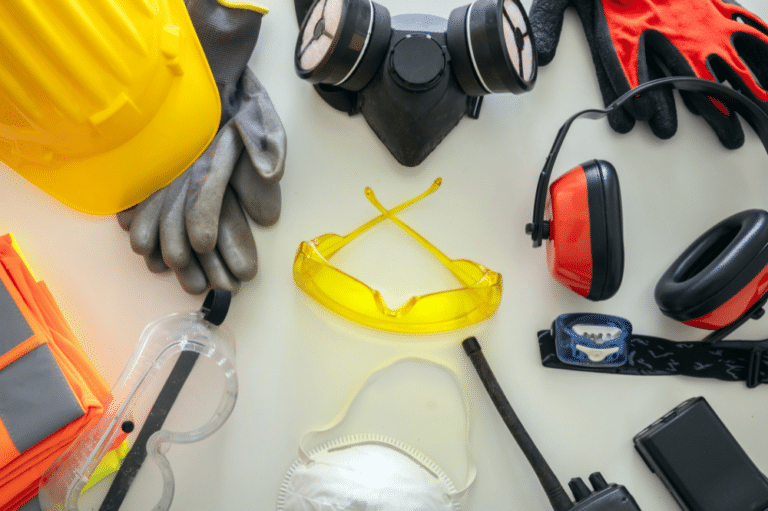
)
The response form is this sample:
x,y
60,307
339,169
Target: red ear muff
x,y
585,249
720,275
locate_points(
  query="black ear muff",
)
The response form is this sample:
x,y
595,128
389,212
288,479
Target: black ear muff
x,y
492,47
607,230
585,246
342,43
720,275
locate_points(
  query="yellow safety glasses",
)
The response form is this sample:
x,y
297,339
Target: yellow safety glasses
x,y
477,299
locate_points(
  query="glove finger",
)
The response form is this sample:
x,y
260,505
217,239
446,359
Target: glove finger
x,y
620,120
155,261
750,19
235,242
611,76
754,52
174,242
262,200
663,121
261,129
125,217
146,223
725,124
207,183
546,17
217,272
192,278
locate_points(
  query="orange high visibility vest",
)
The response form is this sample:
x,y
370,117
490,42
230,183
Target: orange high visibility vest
x,y
49,389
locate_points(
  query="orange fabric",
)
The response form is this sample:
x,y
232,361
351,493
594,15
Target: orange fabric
x,y
20,472
698,29
569,247
8,451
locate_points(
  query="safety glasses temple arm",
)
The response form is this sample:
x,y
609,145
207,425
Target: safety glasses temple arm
x,y
464,279
332,249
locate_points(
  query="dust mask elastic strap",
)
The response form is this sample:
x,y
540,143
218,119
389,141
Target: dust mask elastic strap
x,y
374,377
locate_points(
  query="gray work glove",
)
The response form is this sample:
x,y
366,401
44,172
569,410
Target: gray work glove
x,y
196,225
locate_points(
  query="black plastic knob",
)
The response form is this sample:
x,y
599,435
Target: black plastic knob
x,y
598,481
579,489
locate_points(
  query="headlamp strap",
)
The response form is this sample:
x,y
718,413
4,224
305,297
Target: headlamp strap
x,y
745,361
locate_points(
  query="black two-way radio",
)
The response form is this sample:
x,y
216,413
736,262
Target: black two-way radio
x,y
603,496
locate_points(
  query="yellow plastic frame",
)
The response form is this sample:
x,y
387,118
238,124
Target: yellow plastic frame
x,y
476,300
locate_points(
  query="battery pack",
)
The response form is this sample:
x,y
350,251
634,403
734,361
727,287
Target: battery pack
x,y
700,462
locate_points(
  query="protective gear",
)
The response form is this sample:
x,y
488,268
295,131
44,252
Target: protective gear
x,y
413,77
714,281
562,347
372,472
95,98
478,297
386,475
50,389
631,40
141,401
196,225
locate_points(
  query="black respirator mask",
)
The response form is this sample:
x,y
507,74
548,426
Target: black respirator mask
x,y
413,76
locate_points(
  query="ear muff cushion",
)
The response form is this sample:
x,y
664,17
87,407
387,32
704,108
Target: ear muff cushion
x,y
606,230
715,268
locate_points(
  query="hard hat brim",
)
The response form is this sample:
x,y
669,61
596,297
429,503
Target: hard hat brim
x,y
168,144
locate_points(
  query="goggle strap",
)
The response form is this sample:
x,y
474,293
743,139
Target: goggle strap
x,y
375,376
65,479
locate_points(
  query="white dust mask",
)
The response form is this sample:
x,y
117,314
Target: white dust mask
x,y
371,472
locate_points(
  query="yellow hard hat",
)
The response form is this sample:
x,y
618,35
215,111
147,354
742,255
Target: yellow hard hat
x,y
102,102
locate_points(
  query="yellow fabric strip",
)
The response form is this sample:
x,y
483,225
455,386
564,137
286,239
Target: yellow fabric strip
x,y
109,464
242,4
15,246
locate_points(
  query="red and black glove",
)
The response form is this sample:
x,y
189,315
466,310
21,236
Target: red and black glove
x,y
634,41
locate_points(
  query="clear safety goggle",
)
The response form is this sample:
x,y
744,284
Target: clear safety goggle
x,y
180,386
477,299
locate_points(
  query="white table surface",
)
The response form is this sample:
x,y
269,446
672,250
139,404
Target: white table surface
x,y
299,364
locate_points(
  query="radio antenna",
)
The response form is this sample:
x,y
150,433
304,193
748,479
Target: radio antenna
x,y
555,492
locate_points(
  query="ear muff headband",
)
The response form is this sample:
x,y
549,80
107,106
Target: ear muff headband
x,y
732,99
